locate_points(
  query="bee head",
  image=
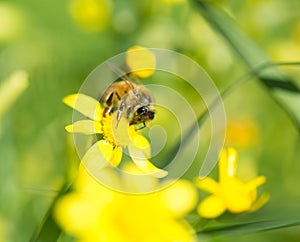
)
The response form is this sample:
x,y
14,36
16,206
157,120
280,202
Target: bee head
x,y
145,113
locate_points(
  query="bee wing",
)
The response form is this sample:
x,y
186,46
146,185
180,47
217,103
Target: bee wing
x,y
121,74
128,80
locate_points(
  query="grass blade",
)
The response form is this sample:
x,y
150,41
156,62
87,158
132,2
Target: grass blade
x,y
249,227
49,231
282,89
269,218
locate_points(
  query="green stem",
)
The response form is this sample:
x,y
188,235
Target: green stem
x,y
49,231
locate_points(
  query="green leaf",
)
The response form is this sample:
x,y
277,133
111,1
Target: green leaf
x,y
268,218
249,227
283,90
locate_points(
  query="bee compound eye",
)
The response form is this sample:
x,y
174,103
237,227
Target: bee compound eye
x,y
142,110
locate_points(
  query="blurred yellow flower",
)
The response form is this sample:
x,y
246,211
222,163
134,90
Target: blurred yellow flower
x,y
242,133
230,193
285,50
141,61
3,230
92,15
11,89
108,150
174,1
94,213
11,22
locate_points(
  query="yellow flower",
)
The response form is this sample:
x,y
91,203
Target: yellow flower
x,y
11,89
92,15
93,213
174,1
108,151
230,193
242,133
11,22
141,61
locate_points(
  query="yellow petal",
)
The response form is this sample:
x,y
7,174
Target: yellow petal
x,y
148,168
139,147
71,207
180,198
134,182
255,182
106,149
207,184
84,104
140,141
141,61
86,184
98,156
112,154
236,196
262,200
211,207
227,164
85,127
116,157
140,152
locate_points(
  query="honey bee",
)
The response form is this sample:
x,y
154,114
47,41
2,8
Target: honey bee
x,y
129,99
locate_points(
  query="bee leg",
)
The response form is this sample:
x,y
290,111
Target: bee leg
x,y
129,110
110,99
108,103
107,110
120,110
144,126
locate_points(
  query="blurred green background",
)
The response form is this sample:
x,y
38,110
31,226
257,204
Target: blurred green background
x,y
58,43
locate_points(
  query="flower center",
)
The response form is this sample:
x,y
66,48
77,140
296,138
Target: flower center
x,y
116,132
